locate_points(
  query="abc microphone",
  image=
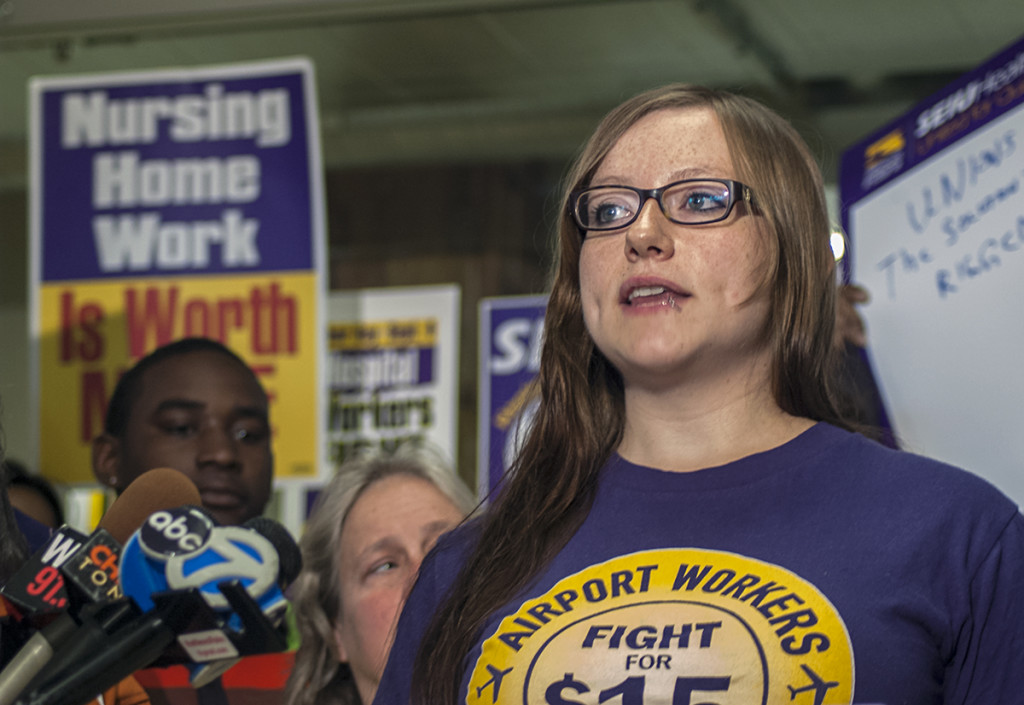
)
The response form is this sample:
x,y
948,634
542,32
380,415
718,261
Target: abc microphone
x,y
182,549
90,567
258,556
210,594
289,567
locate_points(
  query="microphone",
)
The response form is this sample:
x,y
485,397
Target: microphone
x,y
95,629
37,586
14,630
264,563
289,567
211,592
182,549
90,566
288,552
93,570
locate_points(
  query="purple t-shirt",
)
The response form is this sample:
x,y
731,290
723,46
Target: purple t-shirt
x,y
828,570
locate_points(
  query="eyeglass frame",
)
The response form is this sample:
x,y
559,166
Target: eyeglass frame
x,y
734,186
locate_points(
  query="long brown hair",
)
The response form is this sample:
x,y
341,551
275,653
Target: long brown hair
x,y
580,419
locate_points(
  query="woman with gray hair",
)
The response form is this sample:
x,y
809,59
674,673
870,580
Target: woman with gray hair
x,y
361,551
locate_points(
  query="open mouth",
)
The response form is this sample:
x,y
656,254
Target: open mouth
x,y
652,295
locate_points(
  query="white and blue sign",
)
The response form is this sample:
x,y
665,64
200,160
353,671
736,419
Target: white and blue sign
x,y
934,207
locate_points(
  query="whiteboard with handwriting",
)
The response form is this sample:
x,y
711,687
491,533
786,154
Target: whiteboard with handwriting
x,y
940,246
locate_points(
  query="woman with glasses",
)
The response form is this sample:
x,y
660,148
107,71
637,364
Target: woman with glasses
x,y
691,519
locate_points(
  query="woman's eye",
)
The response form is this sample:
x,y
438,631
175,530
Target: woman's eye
x,y
383,567
684,200
610,212
703,202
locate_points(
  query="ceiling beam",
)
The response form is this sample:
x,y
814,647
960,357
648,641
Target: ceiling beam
x,y
30,23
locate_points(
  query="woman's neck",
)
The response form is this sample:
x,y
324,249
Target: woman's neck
x,y
700,425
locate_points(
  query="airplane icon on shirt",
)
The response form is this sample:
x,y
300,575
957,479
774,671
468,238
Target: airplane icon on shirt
x,y
817,684
496,676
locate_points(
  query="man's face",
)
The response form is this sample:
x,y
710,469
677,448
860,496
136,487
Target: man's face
x,y
204,415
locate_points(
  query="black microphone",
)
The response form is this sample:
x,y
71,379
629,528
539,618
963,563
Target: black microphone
x,y
211,594
288,552
37,587
15,630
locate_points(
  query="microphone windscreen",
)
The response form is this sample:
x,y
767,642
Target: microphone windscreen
x,y
152,491
288,553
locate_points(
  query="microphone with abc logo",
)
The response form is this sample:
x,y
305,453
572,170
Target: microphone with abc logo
x,y
208,595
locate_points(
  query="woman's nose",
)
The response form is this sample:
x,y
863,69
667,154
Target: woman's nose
x,y
650,235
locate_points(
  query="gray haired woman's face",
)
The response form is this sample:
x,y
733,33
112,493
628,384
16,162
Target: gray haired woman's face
x,y
388,531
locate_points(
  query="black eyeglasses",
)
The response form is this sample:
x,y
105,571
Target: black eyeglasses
x,y
687,202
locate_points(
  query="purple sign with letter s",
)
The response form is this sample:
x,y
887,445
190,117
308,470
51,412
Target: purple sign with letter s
x,y
511,336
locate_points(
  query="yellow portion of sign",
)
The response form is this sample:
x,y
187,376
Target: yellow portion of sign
x,y
375,335
91,332
670,626
886,146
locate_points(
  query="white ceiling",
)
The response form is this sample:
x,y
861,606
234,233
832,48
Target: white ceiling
x,y
405,81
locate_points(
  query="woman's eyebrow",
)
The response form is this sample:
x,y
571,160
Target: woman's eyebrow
x,y
690,172
381,544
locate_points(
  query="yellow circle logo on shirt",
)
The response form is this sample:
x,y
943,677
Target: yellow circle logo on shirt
x,y
672,626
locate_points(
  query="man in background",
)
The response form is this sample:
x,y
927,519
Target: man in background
x,y
196,407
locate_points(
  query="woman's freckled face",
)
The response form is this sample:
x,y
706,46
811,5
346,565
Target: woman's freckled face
x,y
715,303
